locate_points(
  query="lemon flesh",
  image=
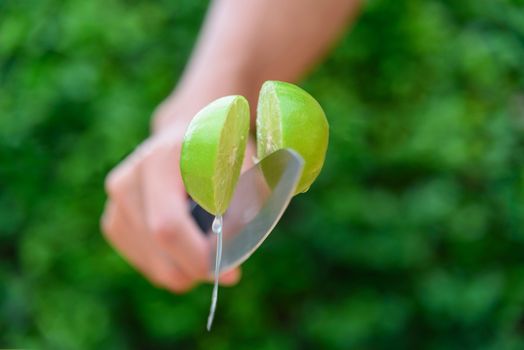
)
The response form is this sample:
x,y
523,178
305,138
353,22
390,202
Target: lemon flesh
x,y
289,117
213,151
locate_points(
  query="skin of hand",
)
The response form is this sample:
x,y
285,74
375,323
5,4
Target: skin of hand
x,y
147,216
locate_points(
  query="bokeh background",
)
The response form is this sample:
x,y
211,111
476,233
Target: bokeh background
x,y
412,237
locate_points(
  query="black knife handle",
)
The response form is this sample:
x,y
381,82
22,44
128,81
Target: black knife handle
x,y
203,219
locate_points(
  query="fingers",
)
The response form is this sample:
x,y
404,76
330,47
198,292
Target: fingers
x,y
120,234
147,220
168,217
230,278
125,227
172,278
250,154
125,239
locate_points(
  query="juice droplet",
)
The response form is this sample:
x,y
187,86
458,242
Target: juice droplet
x,y
217,224
217,229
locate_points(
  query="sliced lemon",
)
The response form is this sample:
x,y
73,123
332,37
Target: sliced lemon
x,y
289,117
213,151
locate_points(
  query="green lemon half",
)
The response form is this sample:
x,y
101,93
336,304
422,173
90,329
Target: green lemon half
x,y
213,151
289,117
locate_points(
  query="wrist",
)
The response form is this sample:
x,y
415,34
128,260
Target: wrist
x,y
199,87
172,113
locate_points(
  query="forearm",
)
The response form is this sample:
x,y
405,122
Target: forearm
x,y
244,43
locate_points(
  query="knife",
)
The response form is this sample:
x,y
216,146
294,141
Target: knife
x,y
262,195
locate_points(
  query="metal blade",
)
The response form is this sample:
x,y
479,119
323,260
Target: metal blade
x,y
261,197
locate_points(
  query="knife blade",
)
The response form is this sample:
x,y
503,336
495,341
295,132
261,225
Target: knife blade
x,y
260,199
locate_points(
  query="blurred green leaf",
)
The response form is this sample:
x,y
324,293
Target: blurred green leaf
x,y
410,239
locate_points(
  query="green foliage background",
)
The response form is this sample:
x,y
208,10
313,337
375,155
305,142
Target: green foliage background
x,y
411,238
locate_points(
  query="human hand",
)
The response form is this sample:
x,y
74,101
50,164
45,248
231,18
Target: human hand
x,y
147,216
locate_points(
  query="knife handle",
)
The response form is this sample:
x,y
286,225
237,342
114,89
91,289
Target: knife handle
x,y
203,219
